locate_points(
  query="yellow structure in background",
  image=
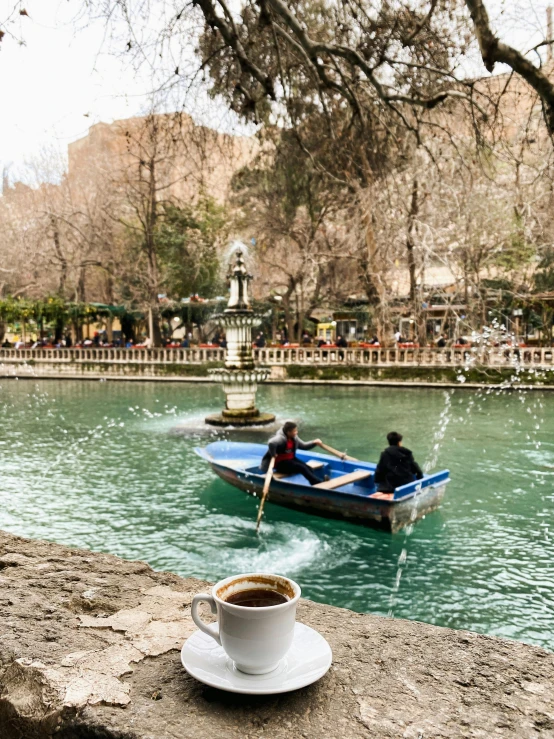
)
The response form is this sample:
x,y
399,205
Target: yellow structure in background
x,y
327,332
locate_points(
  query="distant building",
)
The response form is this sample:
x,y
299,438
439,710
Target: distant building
x,y
190,158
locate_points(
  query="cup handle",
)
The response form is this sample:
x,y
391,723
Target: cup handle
x,y
210,629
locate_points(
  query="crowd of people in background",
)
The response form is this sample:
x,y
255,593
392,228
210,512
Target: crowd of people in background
x,y
101,339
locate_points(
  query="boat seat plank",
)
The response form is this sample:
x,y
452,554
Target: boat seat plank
x,y
315,464
339,482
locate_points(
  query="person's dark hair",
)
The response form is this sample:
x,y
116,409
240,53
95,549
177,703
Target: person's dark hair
x,y
394,438
289,426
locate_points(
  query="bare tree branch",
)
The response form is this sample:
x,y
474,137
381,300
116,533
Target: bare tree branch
x,y
494,51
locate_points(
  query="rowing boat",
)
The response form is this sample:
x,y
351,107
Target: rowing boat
x,y
347,489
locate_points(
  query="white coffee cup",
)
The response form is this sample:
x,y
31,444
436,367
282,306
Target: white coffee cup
x,y
256,639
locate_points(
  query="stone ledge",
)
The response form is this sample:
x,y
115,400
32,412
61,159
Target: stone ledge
x,y
19,372
89,648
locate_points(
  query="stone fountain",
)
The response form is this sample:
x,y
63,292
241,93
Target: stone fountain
x,y
239,377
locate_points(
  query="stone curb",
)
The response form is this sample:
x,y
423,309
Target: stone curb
x,y
89,648
362,383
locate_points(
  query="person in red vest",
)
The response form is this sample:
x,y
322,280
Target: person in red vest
x,y
283,448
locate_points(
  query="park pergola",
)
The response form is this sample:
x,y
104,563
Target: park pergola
x,y
535,310
54,314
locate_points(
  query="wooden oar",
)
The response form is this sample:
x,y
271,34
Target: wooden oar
x,y
337,453
267,483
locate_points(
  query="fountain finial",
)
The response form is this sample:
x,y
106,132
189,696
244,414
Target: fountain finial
x,y
239,278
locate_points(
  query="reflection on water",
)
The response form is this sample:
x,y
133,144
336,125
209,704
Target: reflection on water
x,y
110,466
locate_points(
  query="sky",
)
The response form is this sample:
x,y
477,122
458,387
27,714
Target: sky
x,y
60,73
57,83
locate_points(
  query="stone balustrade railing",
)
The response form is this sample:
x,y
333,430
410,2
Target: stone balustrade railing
x,y
378,357
415,357
115,356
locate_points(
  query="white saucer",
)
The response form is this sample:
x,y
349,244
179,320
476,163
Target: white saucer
x,y
307,660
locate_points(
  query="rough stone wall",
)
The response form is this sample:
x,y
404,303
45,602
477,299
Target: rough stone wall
x,y
405,376
89,648
202,158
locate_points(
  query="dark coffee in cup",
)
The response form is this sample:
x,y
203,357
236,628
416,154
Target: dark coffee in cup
x,y
257,637
256,598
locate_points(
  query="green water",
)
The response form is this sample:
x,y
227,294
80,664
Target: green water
x,y
109,466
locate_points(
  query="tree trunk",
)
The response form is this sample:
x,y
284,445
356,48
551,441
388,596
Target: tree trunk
x,y
154,328
415,298
367,264
81,286
202,335
289,318
60,255
466,279
300,326
58,331
410,242
150,237
109,287
77,332
127,330
299,316
274,313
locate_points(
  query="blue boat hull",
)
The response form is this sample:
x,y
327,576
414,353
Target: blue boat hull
x,y
237,464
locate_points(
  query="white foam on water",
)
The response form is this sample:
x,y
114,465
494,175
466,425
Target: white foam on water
x,y
541,457
279,548
171,421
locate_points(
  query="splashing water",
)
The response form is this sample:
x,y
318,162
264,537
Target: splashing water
x,y
496,343
235,246
430,464
438,438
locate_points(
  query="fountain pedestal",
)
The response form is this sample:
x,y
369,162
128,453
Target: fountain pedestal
x,y
239,377
240,391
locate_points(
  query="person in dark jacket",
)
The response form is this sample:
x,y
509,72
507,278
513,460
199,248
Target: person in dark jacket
x,y
342,343
283,448
397,466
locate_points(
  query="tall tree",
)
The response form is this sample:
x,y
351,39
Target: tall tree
x,y
145,183
191,238
291,211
